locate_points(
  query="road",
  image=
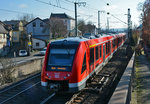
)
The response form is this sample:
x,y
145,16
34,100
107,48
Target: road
x,y
18,60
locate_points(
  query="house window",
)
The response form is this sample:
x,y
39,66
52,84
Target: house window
x,y
34,24
15,33
37,44
15,38
41,24
4,36
65,21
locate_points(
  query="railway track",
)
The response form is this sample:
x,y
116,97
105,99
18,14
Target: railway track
x,y
27,91
99,88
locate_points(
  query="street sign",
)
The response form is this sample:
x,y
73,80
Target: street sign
x,y
29,44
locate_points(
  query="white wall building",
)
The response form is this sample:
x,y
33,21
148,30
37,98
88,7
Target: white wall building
x,y
68,20
38,44
38,28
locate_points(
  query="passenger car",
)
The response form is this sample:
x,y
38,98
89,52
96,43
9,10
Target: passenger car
x,y
23,53
88,35
43,51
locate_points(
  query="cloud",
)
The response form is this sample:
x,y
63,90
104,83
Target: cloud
x,y
23,6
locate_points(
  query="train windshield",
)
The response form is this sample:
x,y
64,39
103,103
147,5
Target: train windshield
x,y
61,59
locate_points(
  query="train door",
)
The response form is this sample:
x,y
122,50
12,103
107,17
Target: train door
x,y
103,52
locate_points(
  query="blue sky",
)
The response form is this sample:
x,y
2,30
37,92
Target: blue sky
x,y
88,13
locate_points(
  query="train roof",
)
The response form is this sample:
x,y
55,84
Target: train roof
x,y
72,39
77,40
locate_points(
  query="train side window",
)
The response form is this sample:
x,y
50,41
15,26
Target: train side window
x,y
106,48
91,56
116,42
100,51
96,53
113,43
84,64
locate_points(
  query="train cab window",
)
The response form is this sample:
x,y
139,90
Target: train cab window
x,y
61,59
91,56
100,51
84,64
96,53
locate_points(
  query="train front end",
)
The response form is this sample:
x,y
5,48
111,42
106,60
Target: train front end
x,y
58,64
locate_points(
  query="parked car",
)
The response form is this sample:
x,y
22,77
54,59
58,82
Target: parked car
x,y
43,51
89,35
23,53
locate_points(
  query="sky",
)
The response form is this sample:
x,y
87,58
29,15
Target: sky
x,y
14,9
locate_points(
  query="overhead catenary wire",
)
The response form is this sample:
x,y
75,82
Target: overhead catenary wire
x,y
18,12
119,19
54,5
59,6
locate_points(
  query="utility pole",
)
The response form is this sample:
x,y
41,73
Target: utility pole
x,y
99,24
108,24
129,24
76,26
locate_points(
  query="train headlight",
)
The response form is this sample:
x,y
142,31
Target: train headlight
x,y
68,75
47,74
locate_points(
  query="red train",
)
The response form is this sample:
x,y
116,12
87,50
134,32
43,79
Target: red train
x,y
71,61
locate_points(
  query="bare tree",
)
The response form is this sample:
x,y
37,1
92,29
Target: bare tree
x,y
146,22
90,28
81,26
86,28
26,17
57,27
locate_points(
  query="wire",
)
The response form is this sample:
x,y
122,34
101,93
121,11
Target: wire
x,y
69,1
54,5
85,6
119,19
13,11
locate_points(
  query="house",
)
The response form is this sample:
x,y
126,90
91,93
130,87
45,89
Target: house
x,y
69,22
38,28
16,32
3,38
38,43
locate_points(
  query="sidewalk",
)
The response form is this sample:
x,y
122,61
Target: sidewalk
x,y
141,85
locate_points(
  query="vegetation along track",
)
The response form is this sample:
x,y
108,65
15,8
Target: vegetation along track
x,y
100,87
